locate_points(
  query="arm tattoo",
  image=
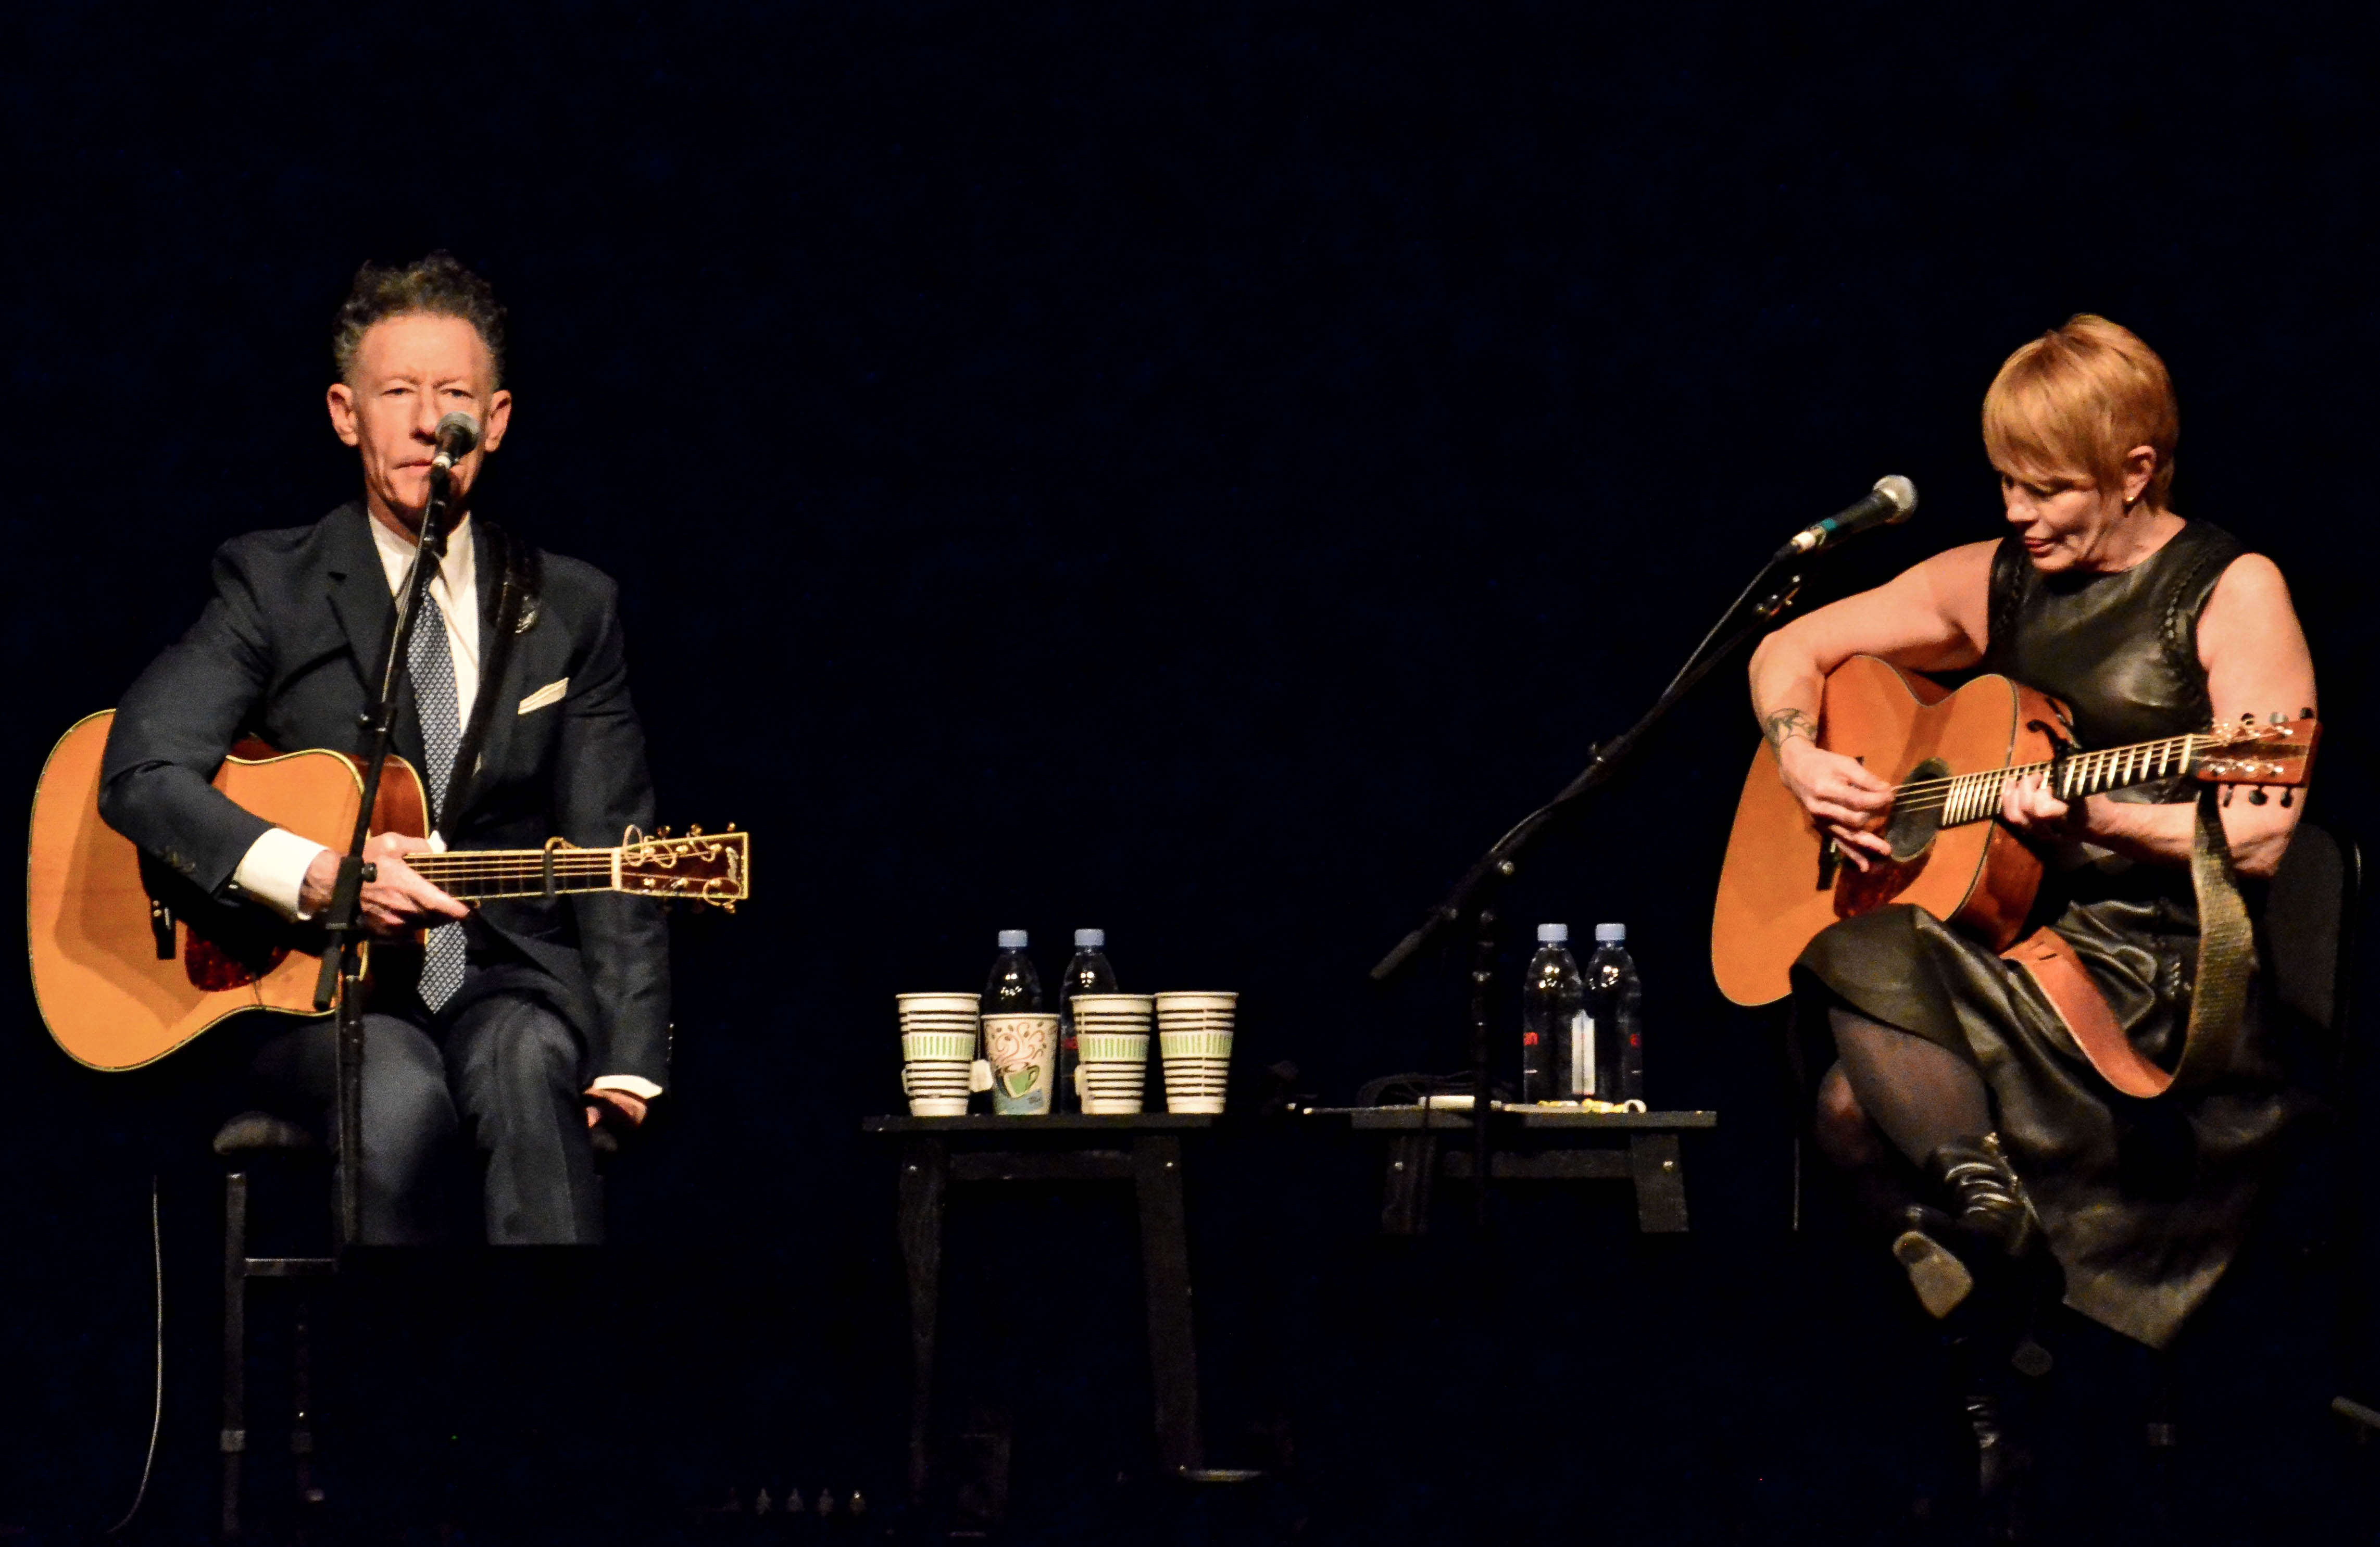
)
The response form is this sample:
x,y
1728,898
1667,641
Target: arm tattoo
x,y
1785,724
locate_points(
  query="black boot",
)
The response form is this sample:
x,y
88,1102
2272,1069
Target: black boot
x,y
1993,1208
1995,1224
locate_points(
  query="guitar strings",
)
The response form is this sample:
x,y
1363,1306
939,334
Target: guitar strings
x,y
2086,773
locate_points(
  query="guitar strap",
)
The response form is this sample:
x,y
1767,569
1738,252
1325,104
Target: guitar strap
x,y
2226,961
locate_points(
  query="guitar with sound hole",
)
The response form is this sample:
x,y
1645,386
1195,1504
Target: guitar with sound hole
x,y
1948,755
122,980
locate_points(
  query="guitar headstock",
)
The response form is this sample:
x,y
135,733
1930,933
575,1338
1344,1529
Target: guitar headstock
x,y
2276,751
696,866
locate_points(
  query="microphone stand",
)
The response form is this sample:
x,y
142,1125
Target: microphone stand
x,y
1476,897
342,978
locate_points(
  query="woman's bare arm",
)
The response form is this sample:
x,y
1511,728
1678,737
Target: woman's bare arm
x,y
2256,661
1930,618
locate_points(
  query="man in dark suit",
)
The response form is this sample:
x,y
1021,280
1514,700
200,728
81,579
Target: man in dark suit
x,y
531,1019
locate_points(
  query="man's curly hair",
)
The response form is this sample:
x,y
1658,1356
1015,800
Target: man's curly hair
x,y
438,284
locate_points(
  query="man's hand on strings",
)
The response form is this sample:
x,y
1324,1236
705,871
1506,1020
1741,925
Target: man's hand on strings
x,y
2027,805
1843,798
397,898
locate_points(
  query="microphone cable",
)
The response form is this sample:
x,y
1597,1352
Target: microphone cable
x,y
157,1399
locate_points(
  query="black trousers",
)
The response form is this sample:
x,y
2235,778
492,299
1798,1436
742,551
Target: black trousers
x,y
495,1084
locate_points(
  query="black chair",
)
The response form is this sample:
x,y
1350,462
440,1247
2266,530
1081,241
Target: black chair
x,y
2314,919
2312,929
246,1141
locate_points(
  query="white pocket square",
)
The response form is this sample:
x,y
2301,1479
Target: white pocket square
x,y
549,693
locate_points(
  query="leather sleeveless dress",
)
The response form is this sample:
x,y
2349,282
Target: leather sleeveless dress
x,y
2144,1202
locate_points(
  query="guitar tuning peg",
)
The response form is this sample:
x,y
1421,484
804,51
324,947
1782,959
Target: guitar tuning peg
x,y
2286,794
2279,718
2257,796
2306,714
2249,718
694,832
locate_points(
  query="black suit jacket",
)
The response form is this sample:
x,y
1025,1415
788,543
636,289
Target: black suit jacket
x,y
299,621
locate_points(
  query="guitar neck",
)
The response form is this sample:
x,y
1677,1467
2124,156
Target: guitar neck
x,y
485,875
1975,797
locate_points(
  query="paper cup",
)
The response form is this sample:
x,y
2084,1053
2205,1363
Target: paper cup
x,y
1194,1032
937,1087
1197,1069
923,1046
1113,1072
956,1004
1023,1053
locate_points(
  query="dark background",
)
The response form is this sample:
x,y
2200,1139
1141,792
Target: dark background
x,y
1200,473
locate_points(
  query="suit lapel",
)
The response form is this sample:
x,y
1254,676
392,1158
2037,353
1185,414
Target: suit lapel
x,y
487,735
366,612
359,592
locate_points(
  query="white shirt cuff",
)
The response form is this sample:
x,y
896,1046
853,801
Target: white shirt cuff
x,y
274,871
636,1085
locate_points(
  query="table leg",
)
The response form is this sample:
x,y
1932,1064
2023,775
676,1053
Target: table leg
x,y
1660,1182
1165,1269
1404,1200
925,1177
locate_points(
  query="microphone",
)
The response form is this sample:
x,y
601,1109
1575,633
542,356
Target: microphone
x,y
458,432
1894,501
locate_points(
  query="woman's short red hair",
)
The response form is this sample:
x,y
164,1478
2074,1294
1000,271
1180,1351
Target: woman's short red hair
x,y
2077,400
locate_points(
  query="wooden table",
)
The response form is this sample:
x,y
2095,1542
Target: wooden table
x,y
1529,1145
1144,1150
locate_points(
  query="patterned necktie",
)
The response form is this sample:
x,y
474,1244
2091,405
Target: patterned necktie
x,y
432,668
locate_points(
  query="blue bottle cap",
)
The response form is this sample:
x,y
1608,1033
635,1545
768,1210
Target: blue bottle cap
x,y
1610,934
1090,939
1553,934
1011,939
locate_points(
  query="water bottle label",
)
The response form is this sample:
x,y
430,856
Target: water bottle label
x,y
1581,1054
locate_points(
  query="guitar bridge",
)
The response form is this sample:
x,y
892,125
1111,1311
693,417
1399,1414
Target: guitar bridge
x,y
1830,860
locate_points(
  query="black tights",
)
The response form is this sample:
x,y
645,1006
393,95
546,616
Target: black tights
x,y
1922,1097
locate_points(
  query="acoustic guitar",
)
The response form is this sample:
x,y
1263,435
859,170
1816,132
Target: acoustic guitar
x,y
121,981
1949,757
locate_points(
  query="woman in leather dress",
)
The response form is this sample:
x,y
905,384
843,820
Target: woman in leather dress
x,y
2145,626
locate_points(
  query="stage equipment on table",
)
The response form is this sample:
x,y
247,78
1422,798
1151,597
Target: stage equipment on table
x,y
122,979
1949,756
1089,972
1194,1035
1557,1037
1614,998
1474,901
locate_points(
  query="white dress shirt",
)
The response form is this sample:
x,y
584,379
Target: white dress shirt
x,y
273,869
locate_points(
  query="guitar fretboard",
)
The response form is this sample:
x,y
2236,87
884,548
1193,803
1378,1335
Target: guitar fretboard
x,y
1973,797
483,875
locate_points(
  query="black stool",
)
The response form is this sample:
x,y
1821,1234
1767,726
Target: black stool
x,y
1530,1145
246,1140
1143,1150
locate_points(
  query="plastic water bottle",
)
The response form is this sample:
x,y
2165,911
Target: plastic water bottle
x,y
1613,1000
1014,987
1553,1022
1089,972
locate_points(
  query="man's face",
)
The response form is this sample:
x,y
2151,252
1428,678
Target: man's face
x,y
411,371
